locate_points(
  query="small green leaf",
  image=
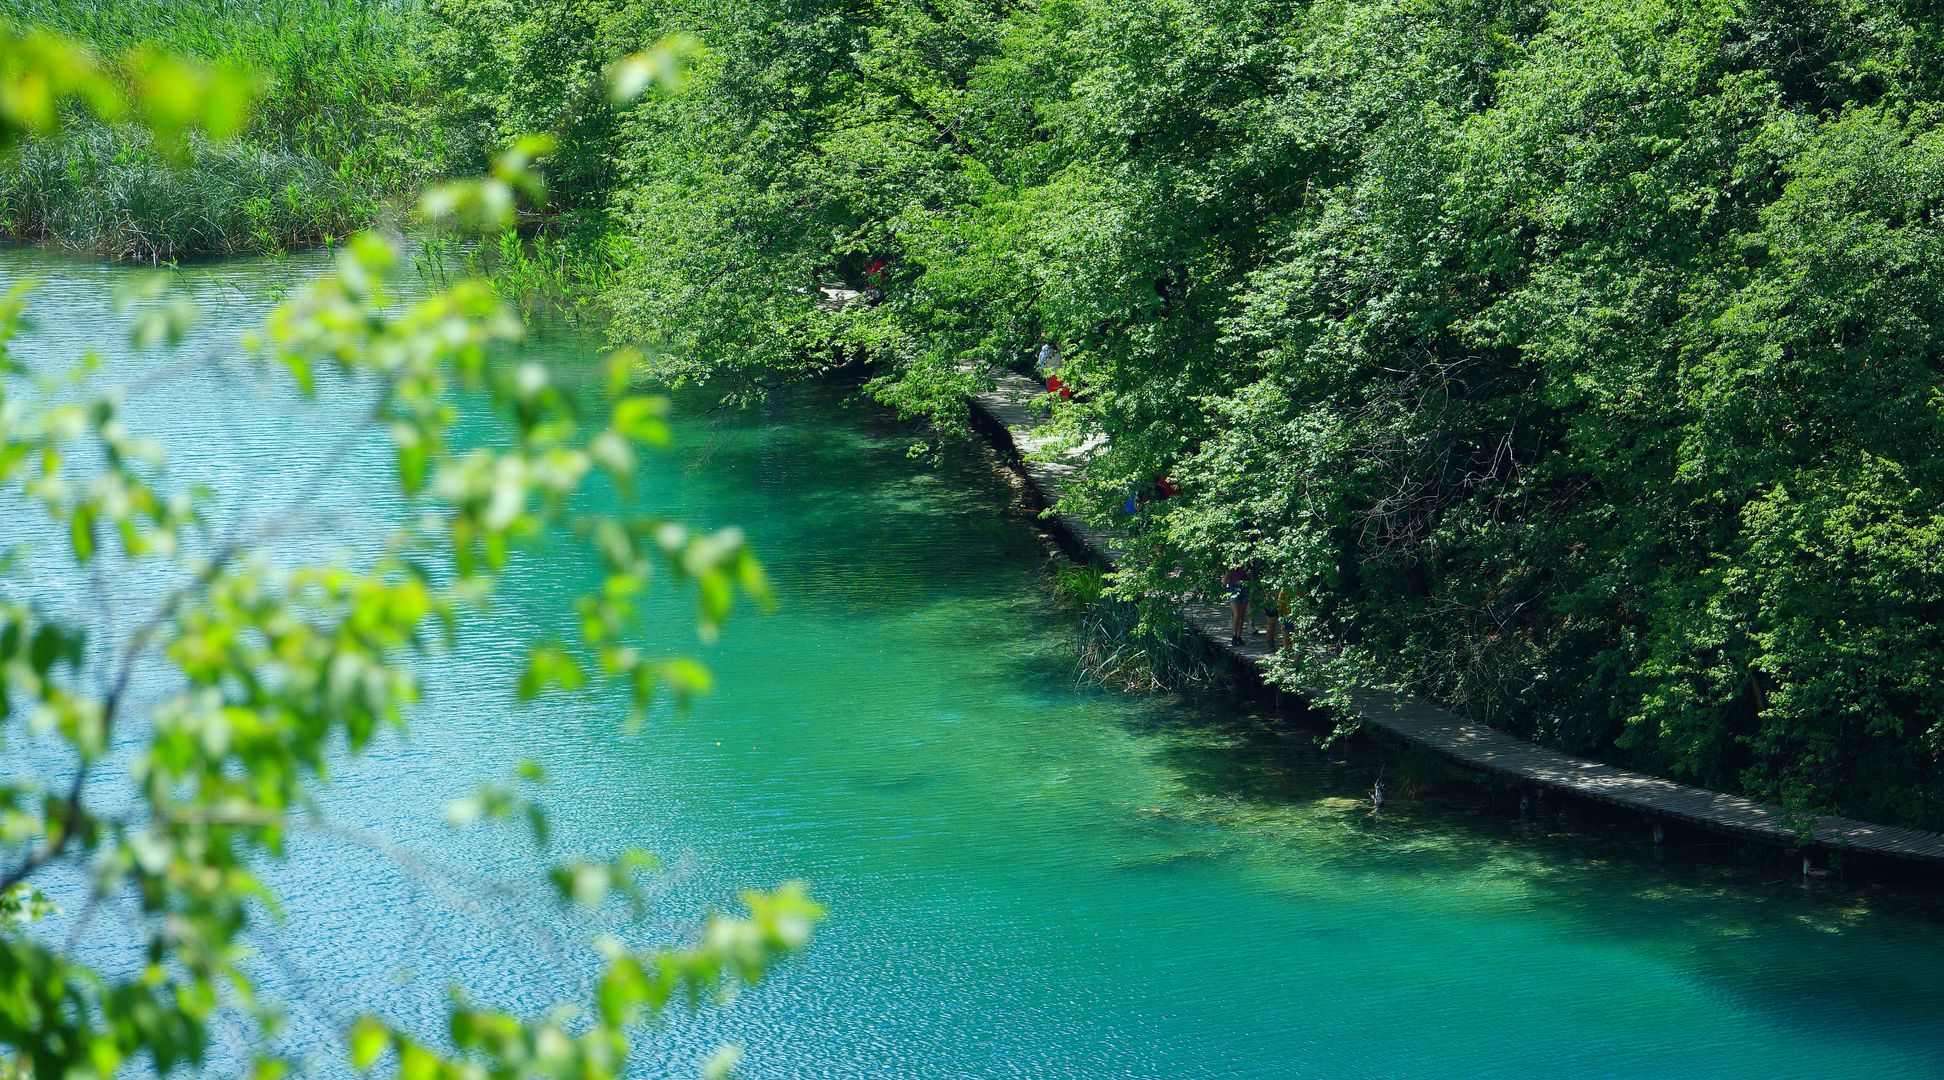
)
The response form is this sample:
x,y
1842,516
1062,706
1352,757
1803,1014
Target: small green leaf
x,y
686,678
369,1039
549,666
642,418
81,530
621,367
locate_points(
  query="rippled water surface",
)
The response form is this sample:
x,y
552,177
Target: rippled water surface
x,y
1027,876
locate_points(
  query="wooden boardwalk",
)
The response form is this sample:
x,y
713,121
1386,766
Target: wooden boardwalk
x,y
1014,413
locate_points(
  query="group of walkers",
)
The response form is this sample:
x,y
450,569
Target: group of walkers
x,y
1243,585
1246,591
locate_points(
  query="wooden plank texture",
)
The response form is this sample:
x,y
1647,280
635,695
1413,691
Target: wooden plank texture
x,y
1016,412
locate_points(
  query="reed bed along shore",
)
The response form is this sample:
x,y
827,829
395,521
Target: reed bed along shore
x,y
114,194
338,129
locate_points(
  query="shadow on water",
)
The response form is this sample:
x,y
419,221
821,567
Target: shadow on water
x,y
1254,787
1736,921
1745,922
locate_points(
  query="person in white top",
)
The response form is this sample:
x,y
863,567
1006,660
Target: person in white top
x,y
1049,367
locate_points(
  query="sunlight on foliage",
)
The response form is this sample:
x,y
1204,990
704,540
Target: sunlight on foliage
x,y
1575,364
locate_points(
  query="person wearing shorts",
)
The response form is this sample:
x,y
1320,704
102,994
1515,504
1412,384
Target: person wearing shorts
x,y
1236,583
1276,610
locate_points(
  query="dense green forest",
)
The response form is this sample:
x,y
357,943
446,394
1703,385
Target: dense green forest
x,y
1576,363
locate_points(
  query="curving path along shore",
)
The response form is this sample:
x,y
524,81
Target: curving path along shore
x,y
1014,421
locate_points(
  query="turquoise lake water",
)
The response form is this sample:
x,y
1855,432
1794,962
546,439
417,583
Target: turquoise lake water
x,y
1027,876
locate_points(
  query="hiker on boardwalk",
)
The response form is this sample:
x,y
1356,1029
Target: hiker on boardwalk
x,y
876,276
1237,582
1049,368
1275,608
1161,489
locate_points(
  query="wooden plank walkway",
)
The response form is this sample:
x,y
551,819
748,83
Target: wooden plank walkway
x,y
1014,408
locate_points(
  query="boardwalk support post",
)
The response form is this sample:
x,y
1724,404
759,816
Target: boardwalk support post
x,y
1660,833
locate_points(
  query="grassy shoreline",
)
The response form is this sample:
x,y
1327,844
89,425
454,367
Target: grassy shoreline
x,y
340,129
104,192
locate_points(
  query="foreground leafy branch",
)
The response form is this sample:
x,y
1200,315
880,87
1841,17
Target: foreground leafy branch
x,y
175,806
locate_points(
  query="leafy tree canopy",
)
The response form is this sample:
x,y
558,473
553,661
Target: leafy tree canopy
x,y
1574,362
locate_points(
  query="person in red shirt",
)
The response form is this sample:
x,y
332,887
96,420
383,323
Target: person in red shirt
x,y
874,279
1049,366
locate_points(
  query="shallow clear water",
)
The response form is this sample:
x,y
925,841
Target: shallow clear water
x,y
1027,876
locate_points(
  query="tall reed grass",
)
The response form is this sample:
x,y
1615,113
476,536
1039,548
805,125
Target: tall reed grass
x,y
112,193
1129,645
562,274
341,126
